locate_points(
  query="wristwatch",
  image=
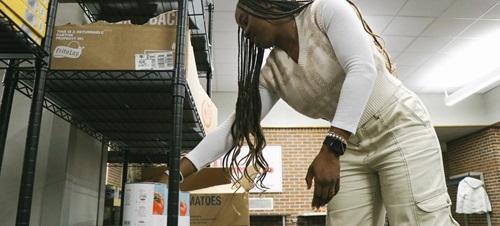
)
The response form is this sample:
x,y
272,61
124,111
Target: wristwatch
x,y
335,144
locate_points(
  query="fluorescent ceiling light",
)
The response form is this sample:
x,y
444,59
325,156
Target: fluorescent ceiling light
x,y
472,88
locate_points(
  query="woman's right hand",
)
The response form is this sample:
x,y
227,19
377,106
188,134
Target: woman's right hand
x,y
324,171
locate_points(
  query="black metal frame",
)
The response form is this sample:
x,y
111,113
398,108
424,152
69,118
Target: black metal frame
x,y
27,69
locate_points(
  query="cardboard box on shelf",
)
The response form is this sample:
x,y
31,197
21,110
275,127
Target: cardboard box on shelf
x,y
147,204
26,13
214,201
16,20
204,105
117,46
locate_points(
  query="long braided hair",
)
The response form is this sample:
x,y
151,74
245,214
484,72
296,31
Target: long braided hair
x,y
246,127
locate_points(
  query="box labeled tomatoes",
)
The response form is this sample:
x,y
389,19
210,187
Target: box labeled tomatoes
x,y
145,204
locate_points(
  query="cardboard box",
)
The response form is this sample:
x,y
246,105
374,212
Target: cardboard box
x,y
118,46
214,201
26,13
146,204
219,205
204,105
14,18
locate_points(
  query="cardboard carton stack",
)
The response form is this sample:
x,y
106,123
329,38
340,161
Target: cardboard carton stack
x,y
29,15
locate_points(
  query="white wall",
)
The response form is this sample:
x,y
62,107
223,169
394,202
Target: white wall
x,y
67,180
478,109
10,177
70,13
493,107
470,111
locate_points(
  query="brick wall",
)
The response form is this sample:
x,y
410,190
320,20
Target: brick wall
x,y
477,152
299,147
114,175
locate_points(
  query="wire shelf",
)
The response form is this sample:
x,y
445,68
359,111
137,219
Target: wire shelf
x,y
132,110
15,43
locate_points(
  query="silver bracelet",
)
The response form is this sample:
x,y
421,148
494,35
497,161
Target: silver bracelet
x,y
336,136
180,174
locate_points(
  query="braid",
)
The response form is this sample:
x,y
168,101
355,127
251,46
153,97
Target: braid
x,y
389,65
246,126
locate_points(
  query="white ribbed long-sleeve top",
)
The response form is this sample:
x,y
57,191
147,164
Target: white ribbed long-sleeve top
x,y
340,76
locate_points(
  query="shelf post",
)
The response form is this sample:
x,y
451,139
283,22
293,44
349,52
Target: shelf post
x,y
210,26
101,195
124,182
34,124
9,82
178,94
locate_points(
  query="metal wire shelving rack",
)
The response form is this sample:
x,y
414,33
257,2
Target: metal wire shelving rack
x,y
145,117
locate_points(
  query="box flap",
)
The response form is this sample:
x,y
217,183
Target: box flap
x,y
205,178
218,189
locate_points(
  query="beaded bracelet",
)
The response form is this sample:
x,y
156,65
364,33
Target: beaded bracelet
x,y
336,136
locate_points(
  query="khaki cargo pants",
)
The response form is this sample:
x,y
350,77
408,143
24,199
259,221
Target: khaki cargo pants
x,y
393,165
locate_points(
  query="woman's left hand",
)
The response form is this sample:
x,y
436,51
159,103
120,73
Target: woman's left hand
x,y
325,170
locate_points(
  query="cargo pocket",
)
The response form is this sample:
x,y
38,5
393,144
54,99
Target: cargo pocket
x,y
435,203
436,211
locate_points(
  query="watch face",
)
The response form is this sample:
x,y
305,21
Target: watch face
x,y
335,145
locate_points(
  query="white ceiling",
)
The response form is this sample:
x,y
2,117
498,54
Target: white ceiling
x,y
422,36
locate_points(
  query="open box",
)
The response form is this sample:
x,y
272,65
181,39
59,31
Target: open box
x,y
213,200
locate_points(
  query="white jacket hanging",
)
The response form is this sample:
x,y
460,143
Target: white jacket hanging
x,y
472,197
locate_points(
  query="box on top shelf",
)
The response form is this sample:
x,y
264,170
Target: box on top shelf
x,y
116,46
30,17
204,105
16,20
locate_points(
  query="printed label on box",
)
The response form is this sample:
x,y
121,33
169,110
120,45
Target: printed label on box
x,y
155,61
72,50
